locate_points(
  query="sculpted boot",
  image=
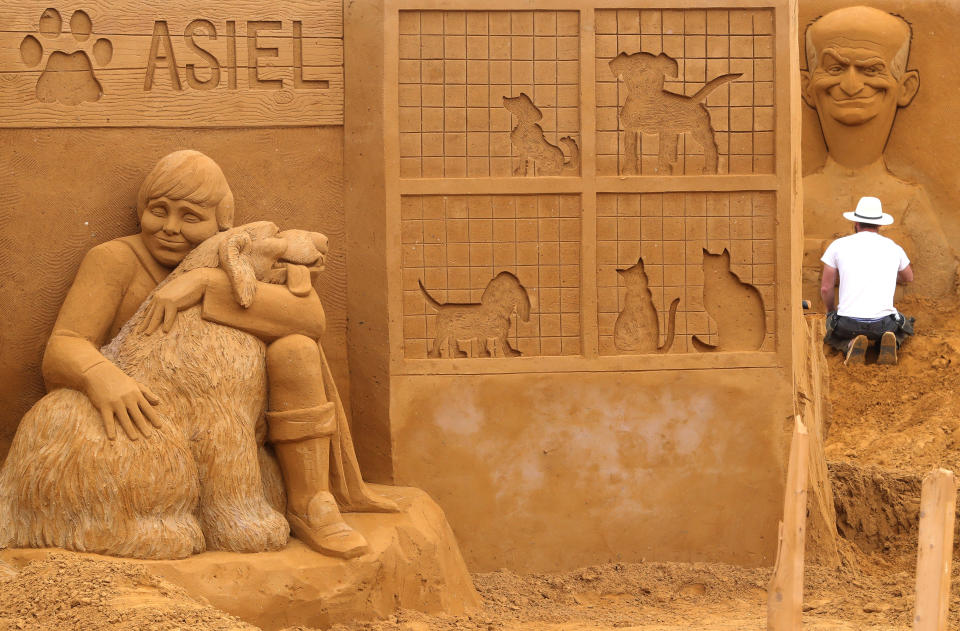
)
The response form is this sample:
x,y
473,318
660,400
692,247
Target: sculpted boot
x,y
301,439
301,422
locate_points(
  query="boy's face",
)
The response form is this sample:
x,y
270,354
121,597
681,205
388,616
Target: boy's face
x,y
170,228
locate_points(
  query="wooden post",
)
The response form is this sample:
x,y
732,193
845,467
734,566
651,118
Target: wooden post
x,y
938,505
785,593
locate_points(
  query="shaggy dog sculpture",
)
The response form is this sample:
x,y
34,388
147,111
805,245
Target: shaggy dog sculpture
x,y
196,483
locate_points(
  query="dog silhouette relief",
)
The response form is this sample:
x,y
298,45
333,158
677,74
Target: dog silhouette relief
x,y
529,140
478,330
651,109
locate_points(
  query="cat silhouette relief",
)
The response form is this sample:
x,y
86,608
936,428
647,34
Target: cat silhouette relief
x,y
735,307
637,329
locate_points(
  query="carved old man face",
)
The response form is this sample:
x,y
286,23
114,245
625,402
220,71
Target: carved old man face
x,y
856,60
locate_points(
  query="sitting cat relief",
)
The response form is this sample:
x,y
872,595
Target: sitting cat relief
x,y
637,329
736,307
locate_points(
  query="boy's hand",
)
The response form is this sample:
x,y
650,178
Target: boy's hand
x,y
179,294
120,398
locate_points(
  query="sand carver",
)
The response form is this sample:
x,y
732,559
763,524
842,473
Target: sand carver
x,y
153,445
857,78
869,266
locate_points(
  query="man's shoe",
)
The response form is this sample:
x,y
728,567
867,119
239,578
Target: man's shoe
x,y
888,349
856,351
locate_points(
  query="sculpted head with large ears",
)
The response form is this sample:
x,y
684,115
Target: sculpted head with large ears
x,y
857,72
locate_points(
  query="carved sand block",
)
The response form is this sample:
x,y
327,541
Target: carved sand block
x,y
173,66
708,272
173,432
685,92
664,257
856,93
413,563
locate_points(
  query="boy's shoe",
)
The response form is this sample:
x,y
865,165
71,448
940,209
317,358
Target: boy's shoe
x,y
888,349
856,351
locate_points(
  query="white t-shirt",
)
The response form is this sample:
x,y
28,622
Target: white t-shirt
x,y
868,263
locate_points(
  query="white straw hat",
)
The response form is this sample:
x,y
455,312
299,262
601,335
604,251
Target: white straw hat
x,y
869,210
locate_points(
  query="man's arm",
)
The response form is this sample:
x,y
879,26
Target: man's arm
x,y
827,282
905,275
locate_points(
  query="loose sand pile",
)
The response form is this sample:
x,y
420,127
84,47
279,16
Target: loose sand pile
x,y
69,593
903,418
890,425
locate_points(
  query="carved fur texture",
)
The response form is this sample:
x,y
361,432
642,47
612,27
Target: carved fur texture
x,y
203,480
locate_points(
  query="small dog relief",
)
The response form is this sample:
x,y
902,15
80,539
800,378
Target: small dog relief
x,y
528,139
480,329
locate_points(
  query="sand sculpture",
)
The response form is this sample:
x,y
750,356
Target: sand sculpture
x,y
188,469
661,255
857,78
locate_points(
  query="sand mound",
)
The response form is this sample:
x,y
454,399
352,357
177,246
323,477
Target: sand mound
x,y
76,594
903,418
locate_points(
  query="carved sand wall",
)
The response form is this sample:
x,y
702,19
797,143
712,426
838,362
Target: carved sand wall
x,y
920,149
588,212
70,181
733,47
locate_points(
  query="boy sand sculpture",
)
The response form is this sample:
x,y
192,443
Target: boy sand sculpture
x,y
184,473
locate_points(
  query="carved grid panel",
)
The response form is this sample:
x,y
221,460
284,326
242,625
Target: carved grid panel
x,y
456,67
706,44
670,230
456,244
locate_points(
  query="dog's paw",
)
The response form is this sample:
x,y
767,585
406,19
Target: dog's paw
x,y
67,77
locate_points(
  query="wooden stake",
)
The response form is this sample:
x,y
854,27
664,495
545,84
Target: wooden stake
x,y
785,594
938,505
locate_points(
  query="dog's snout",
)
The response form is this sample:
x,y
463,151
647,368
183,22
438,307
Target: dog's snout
x,y
320,242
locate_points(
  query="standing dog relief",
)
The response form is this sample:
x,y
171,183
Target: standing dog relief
x,y
508,147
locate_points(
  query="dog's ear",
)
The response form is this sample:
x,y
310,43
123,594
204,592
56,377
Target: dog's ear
x,y
233,260
616,65
668,65
537,114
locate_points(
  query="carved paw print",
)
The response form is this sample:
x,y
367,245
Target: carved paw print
x,y
67,77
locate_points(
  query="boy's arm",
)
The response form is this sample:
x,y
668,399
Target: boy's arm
x,y
85,317
72,358
275,311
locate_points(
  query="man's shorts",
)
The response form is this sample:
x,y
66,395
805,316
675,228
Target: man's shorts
x,y
841,329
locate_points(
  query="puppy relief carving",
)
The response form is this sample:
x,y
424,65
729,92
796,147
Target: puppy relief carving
x,y
651,109
480,330
529,140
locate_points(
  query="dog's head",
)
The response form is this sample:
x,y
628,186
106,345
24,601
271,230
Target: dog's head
x,y
643,70
506,293
263,253
523,108
258,251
